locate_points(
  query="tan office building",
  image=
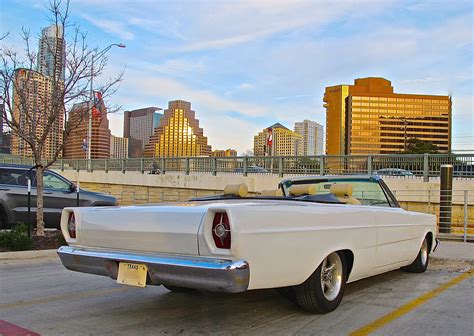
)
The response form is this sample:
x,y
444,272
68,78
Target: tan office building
x,y
76,146
369,118
277,140
224,152
32,107
178,134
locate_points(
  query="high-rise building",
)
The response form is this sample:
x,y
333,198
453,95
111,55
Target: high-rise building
x,y
178,134
369,118
4,136
51,52
118,147
313,137
224,152
277,140
138,127
33,98
78,142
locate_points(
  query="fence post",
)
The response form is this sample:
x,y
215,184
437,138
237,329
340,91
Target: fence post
x,y
321,165
77,166
465,215
163,165
142,166
280,166
445,198
426,168
106,165
186,166
244,168
62,164
214,166
369,164
123,166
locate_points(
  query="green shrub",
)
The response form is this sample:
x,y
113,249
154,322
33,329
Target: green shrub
x,y
16,239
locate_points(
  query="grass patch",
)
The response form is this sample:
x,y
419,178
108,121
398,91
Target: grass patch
x,y
16,239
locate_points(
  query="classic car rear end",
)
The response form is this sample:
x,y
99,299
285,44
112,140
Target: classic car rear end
x,y
232,244
162,238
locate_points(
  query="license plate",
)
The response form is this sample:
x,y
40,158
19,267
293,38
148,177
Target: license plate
x,y
132,274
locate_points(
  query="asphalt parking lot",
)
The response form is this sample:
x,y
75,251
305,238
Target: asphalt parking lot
x,y
43,297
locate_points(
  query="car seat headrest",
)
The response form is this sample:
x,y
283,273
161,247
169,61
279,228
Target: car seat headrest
x,y
302,189
341,190
240,190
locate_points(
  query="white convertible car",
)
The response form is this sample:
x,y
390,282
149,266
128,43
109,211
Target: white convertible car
x,y
308,238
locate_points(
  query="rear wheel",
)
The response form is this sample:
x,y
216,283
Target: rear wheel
x,y
322,292
287,292
421,262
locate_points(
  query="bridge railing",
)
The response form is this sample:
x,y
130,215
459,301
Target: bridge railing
x,y
403,165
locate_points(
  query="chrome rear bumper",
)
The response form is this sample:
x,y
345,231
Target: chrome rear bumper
x,y
217,275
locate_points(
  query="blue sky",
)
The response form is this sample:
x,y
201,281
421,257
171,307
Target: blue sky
x,y
245,65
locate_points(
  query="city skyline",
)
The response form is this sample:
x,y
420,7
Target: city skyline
x,y
260,63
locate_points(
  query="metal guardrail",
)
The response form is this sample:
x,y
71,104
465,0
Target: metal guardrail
x,y
404,165
459,218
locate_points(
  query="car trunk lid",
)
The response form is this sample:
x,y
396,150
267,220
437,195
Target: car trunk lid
x,y
166,229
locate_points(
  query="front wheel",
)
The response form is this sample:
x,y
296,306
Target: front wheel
x,y
322,292
421,262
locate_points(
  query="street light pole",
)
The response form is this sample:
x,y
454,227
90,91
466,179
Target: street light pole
x,y
405,123
91,101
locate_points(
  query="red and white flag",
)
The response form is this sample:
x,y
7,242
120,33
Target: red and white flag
x,y
270,137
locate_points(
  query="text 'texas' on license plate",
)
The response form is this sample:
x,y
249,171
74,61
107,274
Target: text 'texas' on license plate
x,y
132,274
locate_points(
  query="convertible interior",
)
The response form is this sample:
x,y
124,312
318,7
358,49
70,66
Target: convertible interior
x,y
338,191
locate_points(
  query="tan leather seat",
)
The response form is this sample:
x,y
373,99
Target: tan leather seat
x,y
271,192
343,192
302,189
240,190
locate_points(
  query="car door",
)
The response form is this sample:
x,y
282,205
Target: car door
x,y
56,196
395,232
14,194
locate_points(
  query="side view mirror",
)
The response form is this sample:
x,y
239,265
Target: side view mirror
x,y
72,187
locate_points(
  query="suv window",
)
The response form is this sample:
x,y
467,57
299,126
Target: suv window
x,y
14,176
52,181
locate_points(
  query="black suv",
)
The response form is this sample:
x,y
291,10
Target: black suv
x,y
59,193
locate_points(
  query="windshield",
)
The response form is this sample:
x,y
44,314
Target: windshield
x,y
348,191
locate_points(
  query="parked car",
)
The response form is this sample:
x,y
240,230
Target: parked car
x,y
322,233
59,192
251,169
393,172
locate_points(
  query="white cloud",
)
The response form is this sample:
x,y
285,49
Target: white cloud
x,y
245,86
111,26
175,66
146,85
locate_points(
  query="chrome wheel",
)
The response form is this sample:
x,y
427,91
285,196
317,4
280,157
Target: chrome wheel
x,y
424,252
331,276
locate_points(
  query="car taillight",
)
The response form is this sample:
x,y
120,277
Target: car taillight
x,y
71,225
221,230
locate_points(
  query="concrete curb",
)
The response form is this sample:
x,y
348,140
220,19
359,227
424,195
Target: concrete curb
x,y
36,254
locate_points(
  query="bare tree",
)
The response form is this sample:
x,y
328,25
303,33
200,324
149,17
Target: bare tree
x,y
37,93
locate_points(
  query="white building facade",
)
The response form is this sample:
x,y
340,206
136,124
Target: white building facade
x,y
118,147
313,137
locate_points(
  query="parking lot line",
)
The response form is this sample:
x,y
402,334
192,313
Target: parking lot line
x,y
406,308
79,295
